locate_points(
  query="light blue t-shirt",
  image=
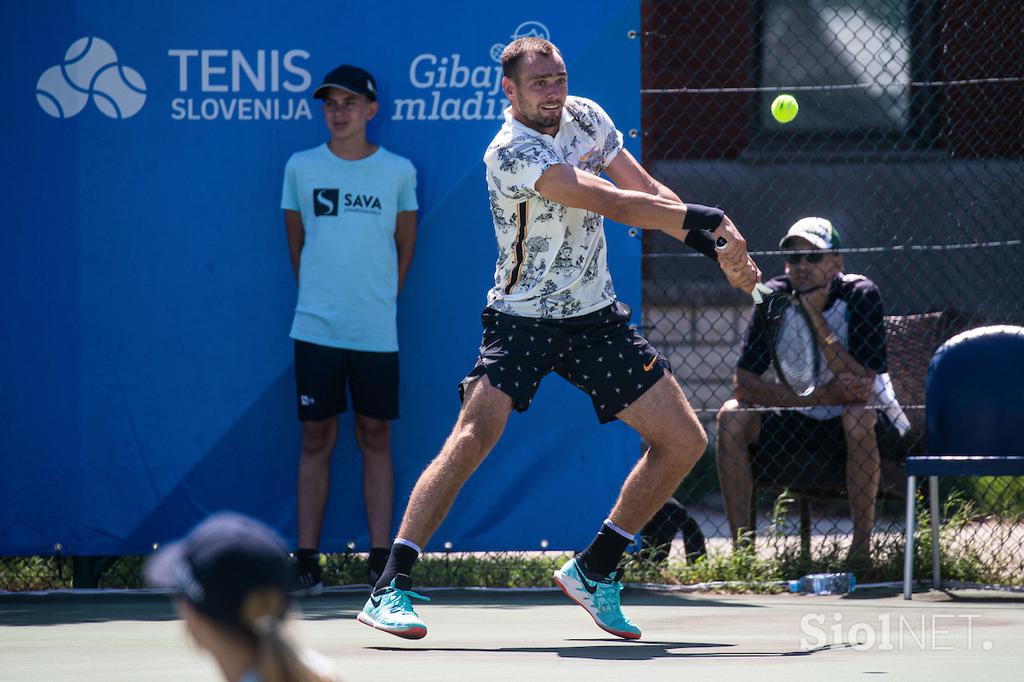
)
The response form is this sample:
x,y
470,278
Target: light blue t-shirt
x,y
348,275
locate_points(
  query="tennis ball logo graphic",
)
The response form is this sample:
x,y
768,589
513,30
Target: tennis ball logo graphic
x,y
91,69
784,108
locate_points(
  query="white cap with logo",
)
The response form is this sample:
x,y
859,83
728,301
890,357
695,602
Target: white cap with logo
x,y
817,231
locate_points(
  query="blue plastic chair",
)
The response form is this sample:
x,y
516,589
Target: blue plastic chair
x,y
974,421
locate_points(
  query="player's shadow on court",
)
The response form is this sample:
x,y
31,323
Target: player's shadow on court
x,y
619,650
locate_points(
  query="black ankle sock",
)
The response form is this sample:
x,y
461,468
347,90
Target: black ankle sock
x,y
307,558
604,553
399,563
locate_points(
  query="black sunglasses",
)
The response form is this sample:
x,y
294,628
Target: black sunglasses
x,y
812,257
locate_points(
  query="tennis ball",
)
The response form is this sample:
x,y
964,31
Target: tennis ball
x,y
784,108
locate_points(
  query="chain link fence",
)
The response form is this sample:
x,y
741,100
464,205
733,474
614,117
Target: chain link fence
x,y
909,139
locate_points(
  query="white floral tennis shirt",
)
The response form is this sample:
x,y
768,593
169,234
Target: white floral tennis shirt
x,y
551,258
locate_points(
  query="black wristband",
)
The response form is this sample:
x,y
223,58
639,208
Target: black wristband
x,y
701,217
702,242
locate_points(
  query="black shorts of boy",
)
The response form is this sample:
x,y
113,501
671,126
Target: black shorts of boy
x,y
797,450
599,353
322,372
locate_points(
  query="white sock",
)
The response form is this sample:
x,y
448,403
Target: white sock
x,y
413,545
626,534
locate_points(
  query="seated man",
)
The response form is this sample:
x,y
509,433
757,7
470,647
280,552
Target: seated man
x,y
843,425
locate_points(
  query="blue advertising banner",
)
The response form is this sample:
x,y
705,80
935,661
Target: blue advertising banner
x,y
147,293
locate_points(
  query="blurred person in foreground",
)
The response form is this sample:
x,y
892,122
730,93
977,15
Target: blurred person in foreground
x,y
230,576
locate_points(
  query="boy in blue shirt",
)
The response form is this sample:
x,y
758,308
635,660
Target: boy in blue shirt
x,y
350,214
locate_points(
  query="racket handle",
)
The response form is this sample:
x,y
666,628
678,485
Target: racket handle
x,y
760,290
720,244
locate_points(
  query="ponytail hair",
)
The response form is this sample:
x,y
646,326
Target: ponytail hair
x,y
263,615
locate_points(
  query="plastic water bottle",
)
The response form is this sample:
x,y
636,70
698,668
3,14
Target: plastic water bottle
x,y
824,583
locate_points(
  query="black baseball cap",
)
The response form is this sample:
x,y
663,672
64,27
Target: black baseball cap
x,y
350,78
219,563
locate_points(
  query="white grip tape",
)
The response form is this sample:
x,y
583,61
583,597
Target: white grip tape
x,y
759,288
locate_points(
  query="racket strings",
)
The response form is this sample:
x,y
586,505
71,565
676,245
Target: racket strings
x,y
796,349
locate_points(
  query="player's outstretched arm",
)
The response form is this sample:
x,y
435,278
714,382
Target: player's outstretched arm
x,y
569,186
627,173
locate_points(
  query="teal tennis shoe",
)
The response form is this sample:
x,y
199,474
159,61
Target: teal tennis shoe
x,y
599,597
391,611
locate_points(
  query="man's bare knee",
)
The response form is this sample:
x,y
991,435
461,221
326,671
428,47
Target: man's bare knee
x,y
729,408
481,422
372,434
679,445
734,415
317,438
859,421
737,428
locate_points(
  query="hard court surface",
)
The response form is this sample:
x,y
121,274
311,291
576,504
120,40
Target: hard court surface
x,y
540,635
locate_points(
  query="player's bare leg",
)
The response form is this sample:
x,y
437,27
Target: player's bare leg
x,y
737,429
481,422
666,422
863,472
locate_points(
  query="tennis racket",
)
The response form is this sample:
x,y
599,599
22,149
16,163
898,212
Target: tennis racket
x,y
796,355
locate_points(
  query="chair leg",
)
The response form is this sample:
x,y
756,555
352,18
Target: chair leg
x,y
908,543
753,513
805,529
933,495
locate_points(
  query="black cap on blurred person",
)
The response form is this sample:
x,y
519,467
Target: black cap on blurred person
x,y
350,78
223,560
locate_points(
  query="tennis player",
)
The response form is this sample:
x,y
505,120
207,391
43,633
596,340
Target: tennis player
x,y
835,432
553,309
230,576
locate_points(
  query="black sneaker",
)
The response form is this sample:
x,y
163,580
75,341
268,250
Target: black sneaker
x,y
307,580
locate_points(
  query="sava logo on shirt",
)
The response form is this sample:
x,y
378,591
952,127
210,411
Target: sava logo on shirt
x,y
327,201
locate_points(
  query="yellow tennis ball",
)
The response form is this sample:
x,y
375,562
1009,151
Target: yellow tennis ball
x,y
784,108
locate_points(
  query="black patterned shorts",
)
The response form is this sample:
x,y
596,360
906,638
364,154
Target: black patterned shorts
x,y
599,353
